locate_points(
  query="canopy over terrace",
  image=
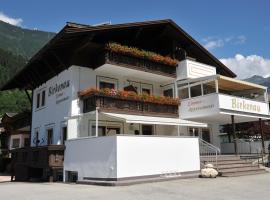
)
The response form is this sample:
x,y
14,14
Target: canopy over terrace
x,y
136,119
217,98
222,100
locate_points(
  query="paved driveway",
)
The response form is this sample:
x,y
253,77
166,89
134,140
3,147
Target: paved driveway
x,y
246,187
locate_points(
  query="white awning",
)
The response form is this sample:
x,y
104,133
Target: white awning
x,y
138,119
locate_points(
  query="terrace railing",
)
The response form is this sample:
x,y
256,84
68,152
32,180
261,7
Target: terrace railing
x,y
116,104
140,64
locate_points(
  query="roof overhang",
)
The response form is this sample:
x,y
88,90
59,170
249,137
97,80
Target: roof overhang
x,y
74,39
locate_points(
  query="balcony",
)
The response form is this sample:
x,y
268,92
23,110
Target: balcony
x,y
134,64
217,98
129,103
140,64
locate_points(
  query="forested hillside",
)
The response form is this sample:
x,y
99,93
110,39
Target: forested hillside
x,y
17,45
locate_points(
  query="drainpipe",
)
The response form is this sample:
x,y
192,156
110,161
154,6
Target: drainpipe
x,y
261,133
234,136
97,108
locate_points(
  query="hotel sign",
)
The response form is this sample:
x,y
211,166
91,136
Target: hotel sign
x,y
199,107
242,105
59,91
210,105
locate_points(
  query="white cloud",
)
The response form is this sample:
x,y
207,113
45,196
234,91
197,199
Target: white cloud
x,y
247,66
211,43
10,20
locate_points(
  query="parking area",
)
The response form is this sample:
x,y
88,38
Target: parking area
x,y
245,187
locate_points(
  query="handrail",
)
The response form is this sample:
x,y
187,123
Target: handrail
x,y
208,153
250,144
258,150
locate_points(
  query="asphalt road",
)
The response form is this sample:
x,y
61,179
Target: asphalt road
x,y
245,187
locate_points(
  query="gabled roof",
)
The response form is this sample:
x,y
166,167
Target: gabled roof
x,y
161,36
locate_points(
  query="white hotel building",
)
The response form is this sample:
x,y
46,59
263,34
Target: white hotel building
x,y
112,138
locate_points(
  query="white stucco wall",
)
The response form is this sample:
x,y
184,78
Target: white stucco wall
x,y
146,155
54,114
130,156
91,157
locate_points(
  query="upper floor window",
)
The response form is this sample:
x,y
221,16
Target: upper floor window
x,y
168,92
146,91
38,100
103,85
41,98
107,82
43,95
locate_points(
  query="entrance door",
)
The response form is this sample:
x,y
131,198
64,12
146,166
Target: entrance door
x,y
205,135
147,130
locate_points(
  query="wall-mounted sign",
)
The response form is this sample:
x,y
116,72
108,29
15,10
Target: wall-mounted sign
x,y
243,105
59,91
58,87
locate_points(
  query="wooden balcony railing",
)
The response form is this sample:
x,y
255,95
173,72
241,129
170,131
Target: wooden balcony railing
x,y
130,106
140,64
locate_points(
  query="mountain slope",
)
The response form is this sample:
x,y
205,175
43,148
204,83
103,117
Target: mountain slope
x,y
17,45
259,80
22,41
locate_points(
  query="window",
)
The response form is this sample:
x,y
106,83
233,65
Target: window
x,y
183,93
38,100
43,98
105,129
26,142
16,143
101,131
112,130
64,134
103,85
146,91
36,138
196,91
168,92
209,88
49,136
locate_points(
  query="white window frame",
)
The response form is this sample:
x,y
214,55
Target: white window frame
x,y
34,139
39,92
107,80
48,127
92,123
140,86
62,125
168,87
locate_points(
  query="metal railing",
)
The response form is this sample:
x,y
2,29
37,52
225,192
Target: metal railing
x,y
249,150
208,153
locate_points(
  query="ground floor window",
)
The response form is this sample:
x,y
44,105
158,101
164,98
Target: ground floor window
x,y
50,136
147,129
105,128
15,143
203,133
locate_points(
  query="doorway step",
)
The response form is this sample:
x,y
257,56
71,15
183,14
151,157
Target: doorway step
x,y
235,165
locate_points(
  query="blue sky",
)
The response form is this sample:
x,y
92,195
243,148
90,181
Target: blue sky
x,y
235,31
